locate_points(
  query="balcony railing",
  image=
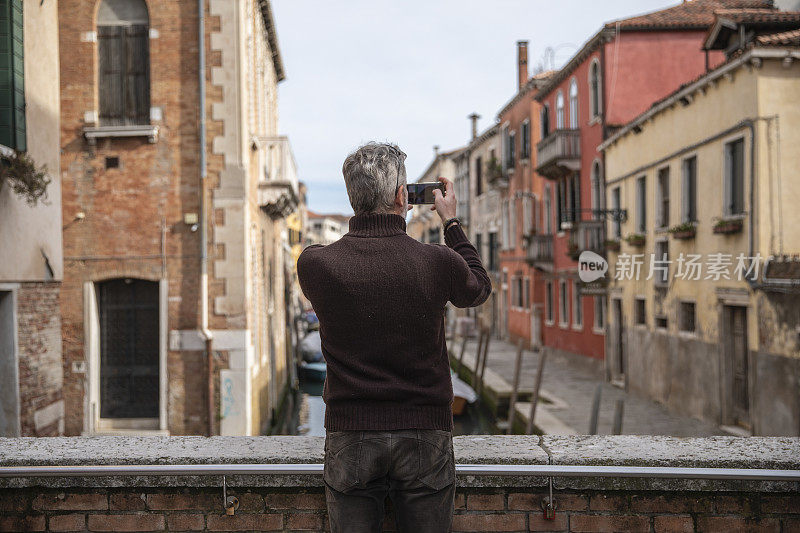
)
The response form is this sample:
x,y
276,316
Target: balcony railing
x,y
587,235
540,251
559,153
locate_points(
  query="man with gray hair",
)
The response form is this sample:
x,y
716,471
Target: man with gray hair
x,y
380,297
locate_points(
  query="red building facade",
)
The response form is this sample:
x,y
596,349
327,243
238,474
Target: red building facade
x,y
615,76
519,129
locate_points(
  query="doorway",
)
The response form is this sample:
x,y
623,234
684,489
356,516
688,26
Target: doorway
x,y
129,349
9,368
619,340
736,357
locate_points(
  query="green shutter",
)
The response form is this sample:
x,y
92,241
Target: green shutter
x,y
12,76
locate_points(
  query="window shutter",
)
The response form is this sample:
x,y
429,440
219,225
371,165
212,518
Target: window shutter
x,y
137,83
111,81
12,76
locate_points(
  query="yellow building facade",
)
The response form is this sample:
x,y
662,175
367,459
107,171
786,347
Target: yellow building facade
x,y
706,177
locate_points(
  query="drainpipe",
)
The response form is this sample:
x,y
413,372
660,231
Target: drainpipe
x,y
208,337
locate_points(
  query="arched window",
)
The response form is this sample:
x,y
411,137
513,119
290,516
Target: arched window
x,y
594,89
544,115
560,110
123,62
573,104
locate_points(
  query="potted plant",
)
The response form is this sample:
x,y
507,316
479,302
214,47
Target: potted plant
x,y
727,226
683,231
635,239
494,170
20,172
612,245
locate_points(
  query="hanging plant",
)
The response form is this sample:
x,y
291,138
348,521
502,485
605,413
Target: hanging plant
x,y
27,181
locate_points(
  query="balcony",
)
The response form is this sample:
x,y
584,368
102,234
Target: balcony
x,y
278,186
540,251
587,235
559,154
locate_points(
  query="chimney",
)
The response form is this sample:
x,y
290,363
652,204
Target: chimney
x,y
522,63
435,151
474,118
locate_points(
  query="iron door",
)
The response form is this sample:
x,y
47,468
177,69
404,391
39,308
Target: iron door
x,y
129,354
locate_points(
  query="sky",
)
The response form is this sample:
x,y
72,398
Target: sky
x,y
410,72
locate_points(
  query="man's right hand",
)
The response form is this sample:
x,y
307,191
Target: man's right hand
x,y
445,205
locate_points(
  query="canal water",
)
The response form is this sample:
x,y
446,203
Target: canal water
x,y
308,414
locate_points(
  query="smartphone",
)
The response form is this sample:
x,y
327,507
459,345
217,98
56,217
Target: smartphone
x,y
422,193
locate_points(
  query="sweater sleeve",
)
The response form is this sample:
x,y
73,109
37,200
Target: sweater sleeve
x,y
469,283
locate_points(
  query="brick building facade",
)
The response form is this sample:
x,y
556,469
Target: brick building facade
x,y
175,201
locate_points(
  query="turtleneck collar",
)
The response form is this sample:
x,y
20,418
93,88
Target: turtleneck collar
x,y
377,225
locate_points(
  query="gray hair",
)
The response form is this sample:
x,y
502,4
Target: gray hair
x,y
372,175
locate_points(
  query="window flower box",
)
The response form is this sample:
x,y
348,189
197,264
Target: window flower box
x,y
636,239
727,226
612,245
685,231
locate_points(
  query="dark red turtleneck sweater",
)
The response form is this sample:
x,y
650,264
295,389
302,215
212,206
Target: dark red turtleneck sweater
x,y
380,297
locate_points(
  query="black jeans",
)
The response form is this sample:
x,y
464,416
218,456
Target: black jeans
x,y
415,467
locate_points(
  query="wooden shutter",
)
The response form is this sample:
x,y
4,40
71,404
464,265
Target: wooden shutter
x,y
137,75
110,74
12,76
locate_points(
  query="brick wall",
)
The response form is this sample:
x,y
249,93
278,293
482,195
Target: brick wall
x,y
495,509
40,374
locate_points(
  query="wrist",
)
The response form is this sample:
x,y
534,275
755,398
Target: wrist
x,y
452,221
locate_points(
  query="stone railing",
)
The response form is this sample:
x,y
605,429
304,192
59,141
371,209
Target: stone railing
x,y
296,501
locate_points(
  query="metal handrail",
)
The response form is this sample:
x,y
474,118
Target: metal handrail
x,y
757,474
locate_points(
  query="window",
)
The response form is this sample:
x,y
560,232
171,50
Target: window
x,y
577,306
568,201
560,110
492,251
639,316
594,89
512,224
689,187
479,245
599,313
641,204
734,177
661,322
663,198
519,291
527,215
504,222
686,317
544,116
563,307
526,300
615,204
598,191
512,149
661,263
525,149
478,176
123,46
573,104
548,210
548,302
12,74
434,235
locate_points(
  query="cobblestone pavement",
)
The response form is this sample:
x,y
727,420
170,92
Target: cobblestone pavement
x,y
575,383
